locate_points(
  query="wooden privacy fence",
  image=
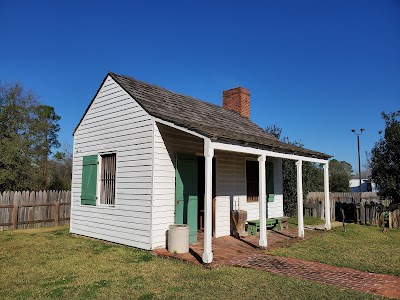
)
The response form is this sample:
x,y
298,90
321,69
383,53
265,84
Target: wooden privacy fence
x,y
368,209
26,209
316,208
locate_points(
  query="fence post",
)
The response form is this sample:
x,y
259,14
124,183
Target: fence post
x,y
15,216
362,212
396,218
56,213
382,220
31,212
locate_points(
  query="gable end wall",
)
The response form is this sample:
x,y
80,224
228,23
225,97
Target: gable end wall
x,y
116,123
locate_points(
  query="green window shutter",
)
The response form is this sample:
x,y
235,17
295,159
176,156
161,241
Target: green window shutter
x,y
89,180
270,182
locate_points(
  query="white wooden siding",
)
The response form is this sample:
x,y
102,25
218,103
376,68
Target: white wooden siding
x,y
231,191
230,183
167,143
115,122
230,186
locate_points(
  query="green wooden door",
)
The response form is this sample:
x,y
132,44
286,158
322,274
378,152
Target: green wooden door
x,y
186,204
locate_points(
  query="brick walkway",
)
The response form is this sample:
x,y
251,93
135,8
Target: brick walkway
x,y
377,284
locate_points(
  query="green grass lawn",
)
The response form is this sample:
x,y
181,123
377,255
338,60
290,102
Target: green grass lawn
x,y
365,248
49,263
307,221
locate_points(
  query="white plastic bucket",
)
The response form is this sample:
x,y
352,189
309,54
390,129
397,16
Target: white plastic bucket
x,y
178,238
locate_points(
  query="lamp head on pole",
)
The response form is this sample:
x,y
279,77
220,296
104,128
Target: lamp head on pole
x,y
358,134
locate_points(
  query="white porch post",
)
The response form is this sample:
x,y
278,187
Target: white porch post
x,y
208,155
300,221
262,201
327,200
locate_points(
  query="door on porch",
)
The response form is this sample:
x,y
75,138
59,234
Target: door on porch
x,y
201,190
186,193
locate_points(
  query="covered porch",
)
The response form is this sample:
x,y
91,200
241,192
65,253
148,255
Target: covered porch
x,y
261,154
175,141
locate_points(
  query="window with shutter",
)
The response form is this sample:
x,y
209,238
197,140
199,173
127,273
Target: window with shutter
x,y
89,180
252,180
107,179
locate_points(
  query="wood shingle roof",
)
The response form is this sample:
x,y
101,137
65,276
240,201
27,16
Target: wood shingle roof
x,y
209,120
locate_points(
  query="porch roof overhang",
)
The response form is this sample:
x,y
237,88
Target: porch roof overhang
x,y
253,149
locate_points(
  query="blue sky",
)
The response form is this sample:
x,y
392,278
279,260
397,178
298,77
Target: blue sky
x,y
315,68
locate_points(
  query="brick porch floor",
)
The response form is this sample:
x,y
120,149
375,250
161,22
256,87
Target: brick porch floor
x,y
229,251
227,248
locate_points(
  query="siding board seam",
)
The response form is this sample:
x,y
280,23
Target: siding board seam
x,y
152,185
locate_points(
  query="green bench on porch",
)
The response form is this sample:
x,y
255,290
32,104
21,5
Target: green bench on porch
x,y
254,225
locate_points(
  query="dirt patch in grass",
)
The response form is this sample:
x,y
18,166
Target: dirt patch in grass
x,y
52,264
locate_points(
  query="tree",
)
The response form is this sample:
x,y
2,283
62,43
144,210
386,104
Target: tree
x,y
313,179
60,170
385,158
339,176
44,131
15,107
23,125
313,175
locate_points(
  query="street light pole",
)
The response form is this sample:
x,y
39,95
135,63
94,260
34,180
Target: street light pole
x,y
359,161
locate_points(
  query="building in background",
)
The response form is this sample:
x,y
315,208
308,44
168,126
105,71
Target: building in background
x,y
367,185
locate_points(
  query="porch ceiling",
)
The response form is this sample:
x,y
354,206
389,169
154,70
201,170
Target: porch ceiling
x,y
244,148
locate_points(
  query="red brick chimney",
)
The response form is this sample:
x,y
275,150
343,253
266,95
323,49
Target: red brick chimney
x,y
238,100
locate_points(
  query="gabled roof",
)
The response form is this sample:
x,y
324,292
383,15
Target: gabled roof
x,y
209,120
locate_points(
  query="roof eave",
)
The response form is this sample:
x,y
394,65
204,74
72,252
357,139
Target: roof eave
x,y
315,154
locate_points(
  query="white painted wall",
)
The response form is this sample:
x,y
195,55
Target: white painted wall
x,y
231,190
230,187
167,143
355,185
115,122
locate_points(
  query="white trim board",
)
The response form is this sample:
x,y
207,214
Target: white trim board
x,y
255,151
179,128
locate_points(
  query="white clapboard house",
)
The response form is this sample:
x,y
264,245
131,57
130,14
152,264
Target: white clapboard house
x,y
145,158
